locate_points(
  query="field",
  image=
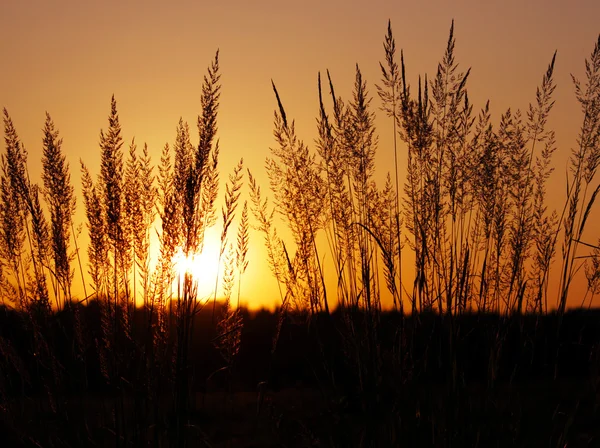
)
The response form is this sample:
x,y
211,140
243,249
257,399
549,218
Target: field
x,y
417,313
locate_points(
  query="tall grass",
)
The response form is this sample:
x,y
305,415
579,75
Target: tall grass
x,y
472,209
584,162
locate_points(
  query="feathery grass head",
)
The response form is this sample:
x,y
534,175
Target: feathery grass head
x,y
59,195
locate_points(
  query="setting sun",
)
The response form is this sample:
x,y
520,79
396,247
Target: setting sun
x,y
203,266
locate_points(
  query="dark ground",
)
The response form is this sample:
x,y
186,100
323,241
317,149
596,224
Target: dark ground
x,y
475,380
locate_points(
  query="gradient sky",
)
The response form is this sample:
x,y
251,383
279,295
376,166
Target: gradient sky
x,y
69,57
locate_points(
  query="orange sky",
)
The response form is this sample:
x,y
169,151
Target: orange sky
x,y
68,57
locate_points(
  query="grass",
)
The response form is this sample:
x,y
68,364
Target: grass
x,y
469,354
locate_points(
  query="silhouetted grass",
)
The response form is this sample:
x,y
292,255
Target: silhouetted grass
x,y
477,361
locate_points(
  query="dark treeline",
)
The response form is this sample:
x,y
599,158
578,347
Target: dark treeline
x,y
528,349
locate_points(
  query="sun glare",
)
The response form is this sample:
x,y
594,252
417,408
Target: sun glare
x,y
202,266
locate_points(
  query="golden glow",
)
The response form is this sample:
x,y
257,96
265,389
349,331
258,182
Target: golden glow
x,y
203,267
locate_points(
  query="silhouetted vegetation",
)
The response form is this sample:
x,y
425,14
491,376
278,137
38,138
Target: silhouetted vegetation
x,y
469,352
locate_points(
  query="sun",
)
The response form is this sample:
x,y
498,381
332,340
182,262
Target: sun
x,y
203,266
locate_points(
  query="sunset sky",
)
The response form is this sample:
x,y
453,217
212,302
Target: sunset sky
x,y
69,57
